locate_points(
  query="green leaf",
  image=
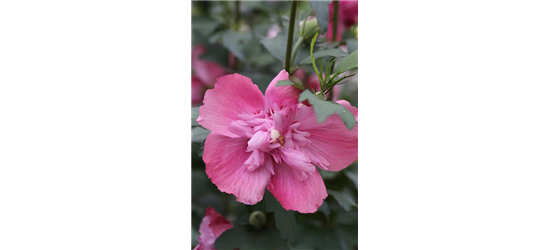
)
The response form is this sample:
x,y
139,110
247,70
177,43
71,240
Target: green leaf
x,y
322,11
324,109
236,43
324,53
246,237
194,116
302,54
276,46
352,45
199,134
284,219
194,237
201,150
344,199
261,29
289,83
325,209
204,26
257,55
352,173
348,63
215,53
260,78
200,182
328,175
318,238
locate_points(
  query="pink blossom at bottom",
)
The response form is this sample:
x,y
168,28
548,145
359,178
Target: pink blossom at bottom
x,y
273,142
212,226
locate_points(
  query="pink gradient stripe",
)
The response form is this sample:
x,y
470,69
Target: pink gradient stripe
x,y
453,133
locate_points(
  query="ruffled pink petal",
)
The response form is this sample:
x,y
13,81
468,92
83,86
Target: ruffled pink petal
x,y
197,91
206,71
206,239
211,227
225,158
297,160
232,96
218,223
304,197
258,140
333,147
282,95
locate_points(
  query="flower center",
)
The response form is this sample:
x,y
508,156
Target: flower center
x,y
276,136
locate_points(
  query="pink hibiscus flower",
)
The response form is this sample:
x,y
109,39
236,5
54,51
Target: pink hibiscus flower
x,y
347,14
212,225
272,142
205,71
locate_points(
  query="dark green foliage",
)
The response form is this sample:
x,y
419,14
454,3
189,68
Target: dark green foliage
x,y
247,237
322,10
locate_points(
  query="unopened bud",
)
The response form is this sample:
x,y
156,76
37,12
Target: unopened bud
x,y
310,29
258,219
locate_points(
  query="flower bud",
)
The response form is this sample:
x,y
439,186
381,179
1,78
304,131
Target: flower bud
x,y
258,219
310,29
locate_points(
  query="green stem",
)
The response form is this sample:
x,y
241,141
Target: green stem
x,y
313,58
334,21
289,42
235,27
205,6
237,15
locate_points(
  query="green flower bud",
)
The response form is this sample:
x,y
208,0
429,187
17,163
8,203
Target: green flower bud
x,y
258,219
310,29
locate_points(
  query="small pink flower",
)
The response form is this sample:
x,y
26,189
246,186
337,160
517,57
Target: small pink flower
x,y
206,71
347,16
213,225
273,31
272,142
198,89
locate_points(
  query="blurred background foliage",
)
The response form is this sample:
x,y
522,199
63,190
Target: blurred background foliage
x,y
249,38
